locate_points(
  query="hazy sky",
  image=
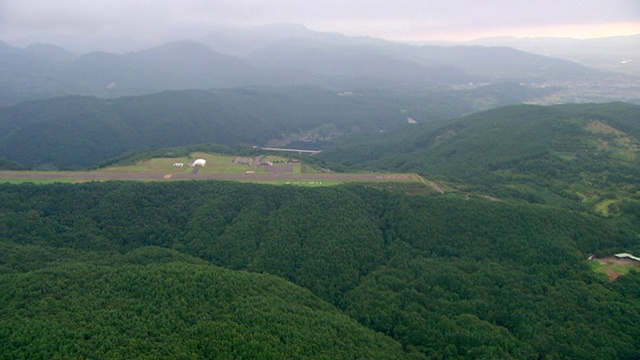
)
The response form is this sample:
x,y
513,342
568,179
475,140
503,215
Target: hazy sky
x,y
110,22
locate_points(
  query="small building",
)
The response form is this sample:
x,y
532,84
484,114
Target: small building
x,y
198,162
243,160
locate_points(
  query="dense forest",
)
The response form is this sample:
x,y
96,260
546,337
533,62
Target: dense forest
x,y
215,269
156,303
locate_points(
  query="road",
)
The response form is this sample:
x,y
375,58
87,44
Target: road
x,y
432,184
93,175
299,151
146,176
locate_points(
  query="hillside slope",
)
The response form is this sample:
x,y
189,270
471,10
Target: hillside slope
x,y
73,132
569,154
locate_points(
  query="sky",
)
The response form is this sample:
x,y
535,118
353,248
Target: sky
x,y
129,23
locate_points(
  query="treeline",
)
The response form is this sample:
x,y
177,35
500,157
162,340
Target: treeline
x,y
442,276
11,165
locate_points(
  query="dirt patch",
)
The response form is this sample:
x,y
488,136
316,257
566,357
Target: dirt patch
x,y
611,262
432,184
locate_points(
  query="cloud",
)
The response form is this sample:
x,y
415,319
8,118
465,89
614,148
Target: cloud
x,y
154,19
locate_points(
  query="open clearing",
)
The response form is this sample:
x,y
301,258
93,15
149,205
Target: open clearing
x,y
267,169
614,267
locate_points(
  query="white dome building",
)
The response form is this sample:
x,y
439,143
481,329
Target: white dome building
x,y
199,162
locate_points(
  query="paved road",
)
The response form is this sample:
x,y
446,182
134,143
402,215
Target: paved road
x,y
106,176
299,151
86,175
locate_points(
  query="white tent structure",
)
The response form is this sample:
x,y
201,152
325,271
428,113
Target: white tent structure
x,y
628,256
198,162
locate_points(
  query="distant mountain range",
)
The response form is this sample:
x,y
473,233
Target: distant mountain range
x,y
273,56
619,53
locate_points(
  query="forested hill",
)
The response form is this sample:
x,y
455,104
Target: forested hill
x,y
569,154
125,269
156,303
75,132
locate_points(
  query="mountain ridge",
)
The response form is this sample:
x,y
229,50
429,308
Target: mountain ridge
x,y
331,60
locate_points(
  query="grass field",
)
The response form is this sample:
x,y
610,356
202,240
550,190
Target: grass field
x,y
603,206
218,164
218,167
